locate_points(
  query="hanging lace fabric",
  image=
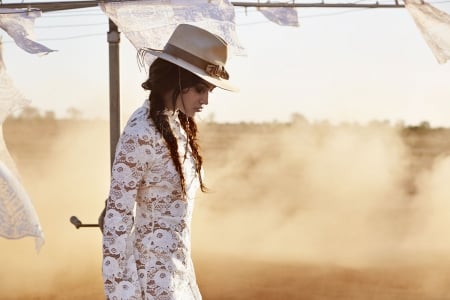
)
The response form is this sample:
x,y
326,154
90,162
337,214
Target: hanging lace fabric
x,y
10,100
284,16
19,23
434,25
149,23
18,217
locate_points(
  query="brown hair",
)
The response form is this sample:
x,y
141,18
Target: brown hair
x,y
165,76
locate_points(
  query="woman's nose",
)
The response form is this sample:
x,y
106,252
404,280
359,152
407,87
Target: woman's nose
x,y
204,100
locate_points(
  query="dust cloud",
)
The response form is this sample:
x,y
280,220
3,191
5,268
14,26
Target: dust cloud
x,y
347,196
65,172
321,210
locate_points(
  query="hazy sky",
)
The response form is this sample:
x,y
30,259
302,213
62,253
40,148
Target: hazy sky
x,y
339,65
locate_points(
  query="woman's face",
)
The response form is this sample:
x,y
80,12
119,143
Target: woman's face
x,y
192,100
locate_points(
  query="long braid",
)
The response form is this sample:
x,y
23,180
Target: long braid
x,y
162,124
189,125
163,77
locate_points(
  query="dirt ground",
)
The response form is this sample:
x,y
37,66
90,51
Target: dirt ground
x,y
225,278
325,213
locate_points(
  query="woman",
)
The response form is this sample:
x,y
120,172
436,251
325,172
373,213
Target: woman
x,y
157,170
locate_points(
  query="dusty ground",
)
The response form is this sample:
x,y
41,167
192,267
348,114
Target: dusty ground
x,y
225,278
325,213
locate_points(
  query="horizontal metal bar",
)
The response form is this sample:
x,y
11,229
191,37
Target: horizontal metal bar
x,y
319,4
52,6
65,5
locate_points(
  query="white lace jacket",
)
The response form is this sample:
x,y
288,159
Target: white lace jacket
x,y
146,241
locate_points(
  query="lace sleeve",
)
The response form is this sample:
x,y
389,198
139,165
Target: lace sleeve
x,y
133,156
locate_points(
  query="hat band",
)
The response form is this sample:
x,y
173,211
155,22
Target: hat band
x,y
213,70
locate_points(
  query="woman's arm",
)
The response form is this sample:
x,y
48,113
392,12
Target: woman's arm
x,y
131,160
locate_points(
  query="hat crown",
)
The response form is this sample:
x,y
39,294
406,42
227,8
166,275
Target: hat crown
x,y
199,52
200,43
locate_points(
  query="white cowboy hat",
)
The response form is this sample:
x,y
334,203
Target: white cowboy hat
x,y
199,52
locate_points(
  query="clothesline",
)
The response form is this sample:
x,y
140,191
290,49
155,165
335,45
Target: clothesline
x,y
56,5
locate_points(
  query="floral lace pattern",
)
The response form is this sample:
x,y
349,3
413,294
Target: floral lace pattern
x,y
146,241
149,23
19,24
17,216
434,25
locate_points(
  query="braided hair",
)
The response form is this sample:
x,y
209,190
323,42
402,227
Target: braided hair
x,y
163,77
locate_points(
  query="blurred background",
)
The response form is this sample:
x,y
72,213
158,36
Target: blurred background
x,y
296,210
327,172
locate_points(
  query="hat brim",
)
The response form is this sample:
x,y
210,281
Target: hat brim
x,y
216,81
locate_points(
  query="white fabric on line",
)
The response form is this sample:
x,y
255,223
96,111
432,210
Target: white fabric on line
x,y
284,16
18,218
434,25
19,24
149,23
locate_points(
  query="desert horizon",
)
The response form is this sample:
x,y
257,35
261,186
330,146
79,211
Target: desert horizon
x,y
297,210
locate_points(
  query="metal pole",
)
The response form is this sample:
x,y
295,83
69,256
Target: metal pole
x,y
114,87
114,107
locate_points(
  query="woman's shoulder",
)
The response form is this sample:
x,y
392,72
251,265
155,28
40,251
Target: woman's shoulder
x,y
139,122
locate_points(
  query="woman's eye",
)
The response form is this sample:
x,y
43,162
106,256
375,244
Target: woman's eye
x,y
200,89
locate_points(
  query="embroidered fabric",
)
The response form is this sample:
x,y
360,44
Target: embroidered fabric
x,y
149,23
434,25
284,16
146,234
19,23
11,99
17,215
